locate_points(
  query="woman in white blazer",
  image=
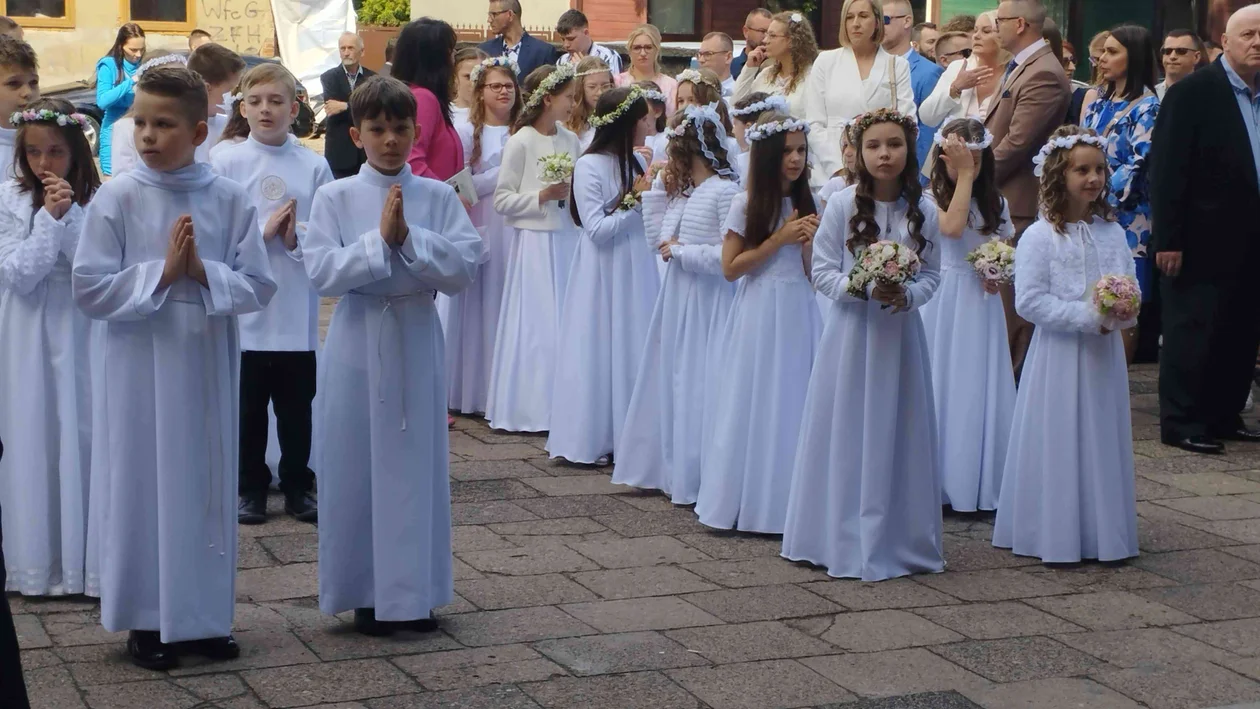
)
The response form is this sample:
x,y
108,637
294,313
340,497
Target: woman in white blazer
x,y
857,78
968,85
781,65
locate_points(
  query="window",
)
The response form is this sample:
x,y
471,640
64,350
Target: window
x,y
676,19
40,13
162,15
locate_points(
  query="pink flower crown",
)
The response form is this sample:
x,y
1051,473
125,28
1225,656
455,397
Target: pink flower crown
x,y
49,116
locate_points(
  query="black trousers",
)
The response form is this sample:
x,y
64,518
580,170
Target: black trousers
x,y
286,380
1211,334
12,688
340,173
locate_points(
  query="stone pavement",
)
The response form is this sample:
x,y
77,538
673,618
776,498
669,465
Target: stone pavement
x,y
578,594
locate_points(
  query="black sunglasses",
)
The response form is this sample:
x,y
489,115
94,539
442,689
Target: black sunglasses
x,y
965,53
1179,51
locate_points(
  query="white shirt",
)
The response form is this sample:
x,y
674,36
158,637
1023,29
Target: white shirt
x,y
728,87
271,176
1161,88
353,78
516,195
608,56
1028,52
7,138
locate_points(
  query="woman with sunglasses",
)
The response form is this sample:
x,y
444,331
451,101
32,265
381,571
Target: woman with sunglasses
x,y
971,80
644,46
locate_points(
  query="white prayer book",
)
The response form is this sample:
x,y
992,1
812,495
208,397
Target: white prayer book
x,y
463,184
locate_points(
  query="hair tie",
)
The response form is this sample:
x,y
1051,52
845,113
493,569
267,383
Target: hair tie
x,y
765,130
1066,142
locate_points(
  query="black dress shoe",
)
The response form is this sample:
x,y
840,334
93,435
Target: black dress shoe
x,y
302,506
1197,444
365,622
213,648
252,509
1242,433
148,651
424,625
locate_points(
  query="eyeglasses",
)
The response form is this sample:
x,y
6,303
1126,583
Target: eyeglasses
x,y
493,15
1000,20
1179,51
772,35
710,55
499,88
965,53
889,18
754,30
642,48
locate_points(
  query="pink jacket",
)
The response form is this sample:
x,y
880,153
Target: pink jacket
x,y
438,152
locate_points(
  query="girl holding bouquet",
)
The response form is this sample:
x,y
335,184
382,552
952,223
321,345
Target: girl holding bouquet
x,y
973,383
664,426
765,352
866,495
1067,487
612,286
541,251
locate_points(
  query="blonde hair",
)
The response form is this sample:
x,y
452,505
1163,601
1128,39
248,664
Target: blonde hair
x,y
1003,56
1096,47
589,66
802,45
268,73
652,33
877,8
1052,194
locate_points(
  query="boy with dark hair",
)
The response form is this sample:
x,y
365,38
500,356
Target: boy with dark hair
x,y
575,31
10,27
220,68
166,418
19,86
384,241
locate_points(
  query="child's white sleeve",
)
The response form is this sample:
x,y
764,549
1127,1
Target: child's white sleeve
x,y
336,268
920,290
598,225
707,258
446,258
244,284
657,204
1033,299
24,263
103,288
831,263
508,199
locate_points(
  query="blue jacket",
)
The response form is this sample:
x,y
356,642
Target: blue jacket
x,y
533,52
924,73
738,65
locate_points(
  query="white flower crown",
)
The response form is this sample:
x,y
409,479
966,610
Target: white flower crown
x,y
161,61
776,103
763,131
698,116
940,139
503,61
695,77
635,95
45,115
1066,142
653,95
558,76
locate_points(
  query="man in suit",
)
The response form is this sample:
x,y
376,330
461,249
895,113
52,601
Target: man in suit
x,y
1205,188
12,688
512,40
756,25
1034,98
344,158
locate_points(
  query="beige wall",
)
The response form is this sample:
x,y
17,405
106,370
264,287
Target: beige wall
x,y
70,55
472,13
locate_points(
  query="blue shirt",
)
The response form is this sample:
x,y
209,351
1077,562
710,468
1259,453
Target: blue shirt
x,y
924,73
1249,104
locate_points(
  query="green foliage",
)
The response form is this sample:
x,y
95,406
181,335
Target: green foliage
x,y
385,13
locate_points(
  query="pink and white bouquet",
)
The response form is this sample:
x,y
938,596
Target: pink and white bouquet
x,y
1118,298
655,169
994,262
883,263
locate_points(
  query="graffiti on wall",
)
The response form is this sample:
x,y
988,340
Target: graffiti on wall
x,y
246,26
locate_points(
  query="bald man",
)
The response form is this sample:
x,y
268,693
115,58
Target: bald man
x,y
1205,185
343,157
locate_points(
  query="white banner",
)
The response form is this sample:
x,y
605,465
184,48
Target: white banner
x,y
307,32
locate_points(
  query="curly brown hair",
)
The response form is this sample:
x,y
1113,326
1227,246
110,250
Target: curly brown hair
x,y
579,120
984,190
804,48
863,228
682,150
1053,194
477,113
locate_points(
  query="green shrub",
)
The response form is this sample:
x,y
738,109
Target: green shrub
x,y
385,13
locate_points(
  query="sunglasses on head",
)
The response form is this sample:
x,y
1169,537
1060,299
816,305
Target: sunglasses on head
x,y
1179,51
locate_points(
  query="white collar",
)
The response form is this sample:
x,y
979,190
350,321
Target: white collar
x,y
1028,52
359,72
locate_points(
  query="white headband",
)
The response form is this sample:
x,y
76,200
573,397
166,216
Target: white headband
x,y
694,77
698,116
503,61
765,130
653,95
160,61
777,103
940,139
1066,142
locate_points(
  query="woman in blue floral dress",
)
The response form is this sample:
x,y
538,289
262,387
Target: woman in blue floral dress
x,y
1125,113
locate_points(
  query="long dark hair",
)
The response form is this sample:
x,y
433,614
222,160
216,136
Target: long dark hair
x,y
863,229
128,31
425,58
616,139
984,190
477,112
765,185
82,177
1140,75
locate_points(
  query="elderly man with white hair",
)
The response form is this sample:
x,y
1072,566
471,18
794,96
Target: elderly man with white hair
x,y
343,157
1205,188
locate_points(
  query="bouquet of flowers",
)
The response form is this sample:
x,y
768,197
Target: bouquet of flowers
x,y
655,169
554,169
1118,298
629,201
883,263
994,262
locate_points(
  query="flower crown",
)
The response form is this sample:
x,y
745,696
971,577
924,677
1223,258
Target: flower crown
x,y
492,62
635,95
653,95
558,76
695,77
48,116
771,103
885,115
762,131
940,139
1066,142
697,116
161,61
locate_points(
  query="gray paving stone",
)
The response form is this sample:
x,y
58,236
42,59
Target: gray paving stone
x,y
35,659
640,551
519,625
1213,601
924,700
221,686
992,585
629,615
1050,694
1188,686
528,560
1148,489
277,583
1250,552
741,605
438,680
1157,536
259,649
457,659
289,549
1208,483
638,690
341,642
492,470
1145,647
1019,659
550,527
298,686
578,506
250,554
1241,637
492,697
1202,566
733,545
490,490
872,631
650,524
893,672
747,642
962,554
576,485
466,538
1246,531
495,512
52,688
642,582
499,592
30,633
155,693
1111,610
1214,508
1091,578
894,593
102,664
617,653
647,500
990,621
772,684
81,628
755,572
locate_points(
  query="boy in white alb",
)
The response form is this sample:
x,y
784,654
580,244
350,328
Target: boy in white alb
x,y
19,86
170,254
278,344
385,241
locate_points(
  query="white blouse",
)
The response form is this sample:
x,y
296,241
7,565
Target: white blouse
x,y
837,93
753,79
940,108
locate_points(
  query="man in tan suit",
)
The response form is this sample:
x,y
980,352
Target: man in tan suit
x,y
1034,98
